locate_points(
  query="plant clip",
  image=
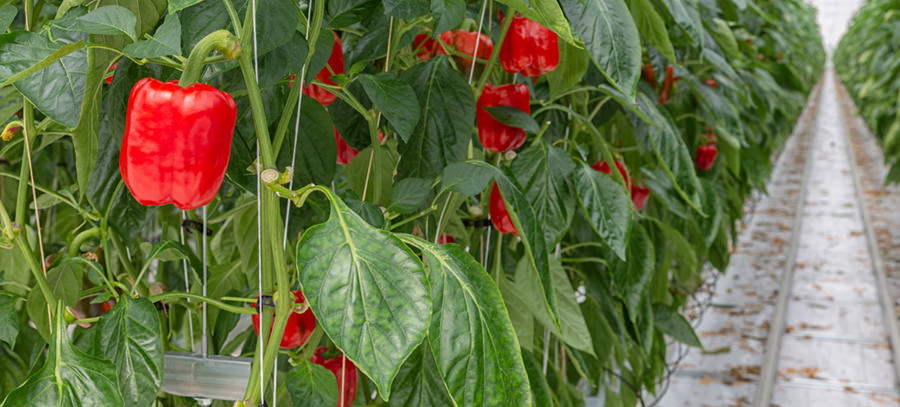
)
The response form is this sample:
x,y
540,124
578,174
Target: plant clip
x,y
191,225
263,403
265,300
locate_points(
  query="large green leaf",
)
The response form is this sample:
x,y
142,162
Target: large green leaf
x,y
467,177
605,204
447,14
573,63
165,41
631,278
481,365
674,325
543,172
69,378
56,90
129,335
65,281
445,128
370,174
406,9
111,20
342,13
652,27
395,99
612,39
312,385
419,382
9,319
368,291
7,15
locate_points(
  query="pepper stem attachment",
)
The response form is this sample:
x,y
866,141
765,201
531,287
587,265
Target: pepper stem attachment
x,y
219,40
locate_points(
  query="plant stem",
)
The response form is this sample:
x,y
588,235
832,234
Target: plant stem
x,y
80,238
220,40
216,303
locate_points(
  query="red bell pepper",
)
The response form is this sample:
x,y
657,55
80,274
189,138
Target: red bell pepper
x,y
177,142
112,68
648,75
464,42
299,326
706,155
603,167
664,97
496,136
639,196
345,153
427,47
712,82
107,305
336,64
529,48
344,371
444,239
499,215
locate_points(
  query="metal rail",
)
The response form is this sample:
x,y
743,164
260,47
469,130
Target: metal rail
x,y
768,372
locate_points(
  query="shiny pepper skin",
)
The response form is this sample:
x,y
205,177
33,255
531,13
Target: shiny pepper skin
x,y
345,153
347,380
712,83
664,97
426,47
444,239
648,75
499,215
336,62
177,142
465,42
496,136
299,326
603,167
706,155
639,196
529,48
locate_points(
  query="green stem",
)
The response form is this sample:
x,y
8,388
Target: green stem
x,y
80,238
220,40
498,255
216,303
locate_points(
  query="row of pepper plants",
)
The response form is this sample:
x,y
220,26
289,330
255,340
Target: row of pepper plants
x,y
867,62
426,229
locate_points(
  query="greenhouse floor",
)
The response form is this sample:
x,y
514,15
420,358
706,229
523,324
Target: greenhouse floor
x,y
799,317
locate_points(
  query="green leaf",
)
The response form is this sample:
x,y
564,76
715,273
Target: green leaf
x,y
165,41
9,319
342,13
7,15
65,281
572,330
573,63
467,177
419,382
686,18
129,336
724,37
482,365
394,98
316,146
406,9
543,172
110,20
410,194
448,14
445,128
511,116
652,27
612,39
69,378
712,206
631,278
674,325
607,207
175,5
368,291
312,385
370,174
56,90
543,396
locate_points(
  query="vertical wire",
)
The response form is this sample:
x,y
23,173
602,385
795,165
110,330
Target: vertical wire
x,y
287,216
477,41
204,341
262,338
187,283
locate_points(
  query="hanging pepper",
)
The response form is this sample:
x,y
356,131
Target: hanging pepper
x,y
299,325
444,239
344,371
706,155
345,153
496,136
664,97
177,142
112,68
427,47
639,195
464,42
499,215
529,48
648,75
603,167
336,64
712,82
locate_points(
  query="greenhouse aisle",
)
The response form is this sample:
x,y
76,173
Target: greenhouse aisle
x,y
834,349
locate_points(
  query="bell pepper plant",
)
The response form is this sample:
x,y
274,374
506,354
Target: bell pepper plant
x,y
496,136
300,325
335,66
344,371
529,48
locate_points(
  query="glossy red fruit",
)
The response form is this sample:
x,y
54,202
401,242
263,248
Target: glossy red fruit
x,y
299,326
177,142
336,63
496,136
344,371
639,196
425,46
712,82
444,239
648,75
602,166
465,42
107,305
345,153
112,68
529,48
670,72
706,155
499,215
